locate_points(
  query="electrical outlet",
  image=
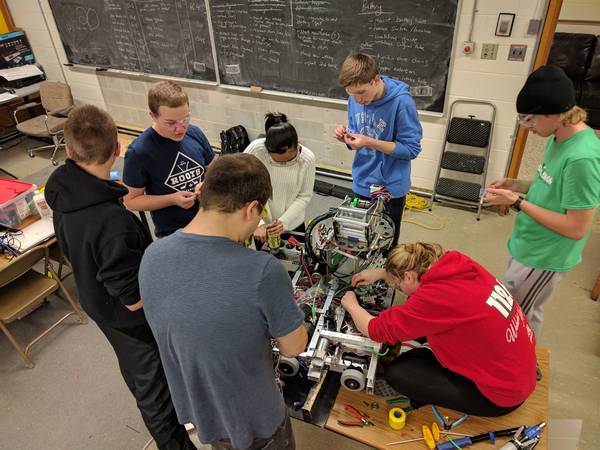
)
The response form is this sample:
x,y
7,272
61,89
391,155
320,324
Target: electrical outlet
x,y
489,51
517,52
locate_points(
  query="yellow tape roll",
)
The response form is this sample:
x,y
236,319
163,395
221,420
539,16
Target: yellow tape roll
x,y
397,418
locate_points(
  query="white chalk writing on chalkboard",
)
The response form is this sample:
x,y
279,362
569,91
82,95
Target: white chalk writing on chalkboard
x,y
232,69
298,45
166,37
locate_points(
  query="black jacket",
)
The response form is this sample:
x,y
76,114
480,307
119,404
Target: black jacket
x,y
103,241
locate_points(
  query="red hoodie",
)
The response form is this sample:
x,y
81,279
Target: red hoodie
x,y
474,326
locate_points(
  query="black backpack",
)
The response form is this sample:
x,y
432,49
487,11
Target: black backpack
x,y
234,140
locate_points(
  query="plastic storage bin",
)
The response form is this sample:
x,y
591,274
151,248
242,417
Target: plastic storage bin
x,y
16,202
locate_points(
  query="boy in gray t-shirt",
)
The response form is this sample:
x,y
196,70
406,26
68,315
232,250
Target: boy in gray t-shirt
x,y
214,305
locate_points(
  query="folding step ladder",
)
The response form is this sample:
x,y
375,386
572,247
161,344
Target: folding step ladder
x,y
471,140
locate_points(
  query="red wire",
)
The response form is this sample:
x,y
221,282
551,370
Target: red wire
x,y
305,268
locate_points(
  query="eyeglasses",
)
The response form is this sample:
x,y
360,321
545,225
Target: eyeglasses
x,y
263,212
527,120
174,123
279,158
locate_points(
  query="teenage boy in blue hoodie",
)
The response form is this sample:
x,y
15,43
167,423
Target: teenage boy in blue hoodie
x,y
384,129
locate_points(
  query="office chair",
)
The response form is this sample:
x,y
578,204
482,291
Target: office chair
x,y
23,289
57,100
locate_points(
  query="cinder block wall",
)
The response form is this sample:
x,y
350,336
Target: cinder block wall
x,y
216,108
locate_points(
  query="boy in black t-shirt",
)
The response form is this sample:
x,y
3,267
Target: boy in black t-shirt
x,y
166,163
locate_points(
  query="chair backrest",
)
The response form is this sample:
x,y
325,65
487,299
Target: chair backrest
x,y
21,264
55,95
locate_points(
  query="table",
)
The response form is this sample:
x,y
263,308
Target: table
x,y
533,411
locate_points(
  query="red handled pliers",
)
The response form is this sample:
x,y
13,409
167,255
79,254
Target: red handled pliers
x,y
364,419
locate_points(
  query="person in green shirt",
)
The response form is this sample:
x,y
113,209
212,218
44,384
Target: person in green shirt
x,y
554,217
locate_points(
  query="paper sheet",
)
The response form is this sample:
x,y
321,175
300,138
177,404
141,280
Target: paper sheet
x,y
17,73
6,96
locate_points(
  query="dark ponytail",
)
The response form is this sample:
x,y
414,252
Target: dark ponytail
x,y
274,118
281,135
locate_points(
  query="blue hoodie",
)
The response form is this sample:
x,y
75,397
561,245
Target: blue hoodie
x,y
391,118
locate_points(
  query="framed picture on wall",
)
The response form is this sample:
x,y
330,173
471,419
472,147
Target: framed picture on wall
x,y
505,24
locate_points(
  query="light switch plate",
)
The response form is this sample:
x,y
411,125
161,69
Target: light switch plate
x,y
517,52
489,51
534,26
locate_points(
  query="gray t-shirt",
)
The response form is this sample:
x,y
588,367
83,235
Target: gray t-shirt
x,y
213,306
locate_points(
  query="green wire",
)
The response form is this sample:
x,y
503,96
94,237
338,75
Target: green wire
x,y
453,443
387,350
345,288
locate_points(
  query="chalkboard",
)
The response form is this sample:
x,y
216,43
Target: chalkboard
x,y
298,45
163,37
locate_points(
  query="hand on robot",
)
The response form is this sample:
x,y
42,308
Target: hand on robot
x,y
276,227
368,276
260,234
349,301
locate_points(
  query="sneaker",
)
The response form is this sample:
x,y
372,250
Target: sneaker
x,y
383,389
407,346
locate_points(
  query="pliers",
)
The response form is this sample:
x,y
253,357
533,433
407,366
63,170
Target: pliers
x,y
364,418
444,420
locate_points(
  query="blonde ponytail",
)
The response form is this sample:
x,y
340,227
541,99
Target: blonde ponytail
x,y
416,256
574,116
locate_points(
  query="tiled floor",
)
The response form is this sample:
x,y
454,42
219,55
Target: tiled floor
x,y
75,398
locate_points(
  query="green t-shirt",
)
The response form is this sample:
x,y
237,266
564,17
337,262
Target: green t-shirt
x,y
567,178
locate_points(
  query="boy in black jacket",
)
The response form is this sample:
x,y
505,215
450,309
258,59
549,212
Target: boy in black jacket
x,y
105,244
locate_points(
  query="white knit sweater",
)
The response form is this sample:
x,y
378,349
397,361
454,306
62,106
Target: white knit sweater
x,y
292,182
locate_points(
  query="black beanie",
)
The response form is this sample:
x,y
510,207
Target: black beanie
x,y
548,90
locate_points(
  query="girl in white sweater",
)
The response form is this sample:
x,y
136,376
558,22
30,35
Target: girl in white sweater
x,y
292,170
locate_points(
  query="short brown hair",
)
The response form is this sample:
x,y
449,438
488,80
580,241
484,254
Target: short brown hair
x,y
357,68
90,134
166,93
233,181
416,257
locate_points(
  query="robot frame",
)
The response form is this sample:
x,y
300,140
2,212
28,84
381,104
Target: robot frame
x,y
349,238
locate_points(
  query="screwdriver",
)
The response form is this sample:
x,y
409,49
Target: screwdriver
x,y
463,442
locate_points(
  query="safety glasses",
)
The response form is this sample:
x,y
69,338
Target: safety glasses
x,y
527,120
263,212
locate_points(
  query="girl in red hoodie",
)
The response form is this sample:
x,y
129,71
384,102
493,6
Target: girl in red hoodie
x,y
482,359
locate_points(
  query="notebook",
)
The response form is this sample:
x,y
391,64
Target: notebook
x,y
35,234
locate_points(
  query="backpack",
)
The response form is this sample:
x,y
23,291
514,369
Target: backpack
x,y
234,140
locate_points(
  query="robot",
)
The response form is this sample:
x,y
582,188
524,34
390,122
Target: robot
x,y
347,239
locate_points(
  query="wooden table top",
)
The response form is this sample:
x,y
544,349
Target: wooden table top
x,y
533,411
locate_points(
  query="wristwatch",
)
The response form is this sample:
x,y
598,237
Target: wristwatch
x,y
516,205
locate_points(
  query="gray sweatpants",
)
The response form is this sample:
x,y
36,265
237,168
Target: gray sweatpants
x,y
531,288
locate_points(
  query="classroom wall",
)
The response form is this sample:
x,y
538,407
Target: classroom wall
x,y
42,35
585,11
216,108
